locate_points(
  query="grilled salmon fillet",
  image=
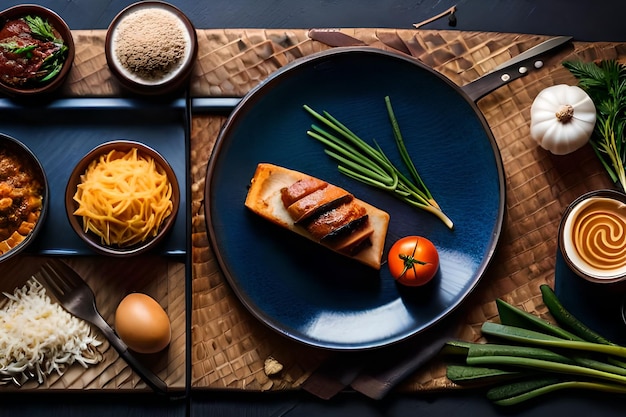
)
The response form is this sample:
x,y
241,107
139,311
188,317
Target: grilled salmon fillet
x,y
319,211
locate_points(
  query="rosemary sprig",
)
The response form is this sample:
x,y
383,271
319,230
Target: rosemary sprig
x,y
605,82
369,164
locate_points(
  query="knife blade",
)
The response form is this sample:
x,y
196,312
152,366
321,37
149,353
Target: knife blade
x,y
535,52
514,68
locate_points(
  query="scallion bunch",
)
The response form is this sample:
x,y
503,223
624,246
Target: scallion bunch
x,y
370,165
527,357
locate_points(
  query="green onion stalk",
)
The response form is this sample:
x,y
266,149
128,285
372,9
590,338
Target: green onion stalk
x,y
532,357
370,165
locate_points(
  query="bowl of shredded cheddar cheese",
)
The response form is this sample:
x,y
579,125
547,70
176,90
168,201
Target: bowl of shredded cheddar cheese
x,y
122,198
151,47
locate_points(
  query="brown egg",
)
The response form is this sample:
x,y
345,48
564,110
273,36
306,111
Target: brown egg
x,y
142,324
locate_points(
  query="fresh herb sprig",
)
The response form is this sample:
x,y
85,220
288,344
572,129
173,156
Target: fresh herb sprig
x,y
41,28
370,165
605,82
13,47
53,63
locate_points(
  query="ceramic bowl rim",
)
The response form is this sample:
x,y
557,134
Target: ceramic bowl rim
x,y
601,193
17,144
75,221
183,73
63,28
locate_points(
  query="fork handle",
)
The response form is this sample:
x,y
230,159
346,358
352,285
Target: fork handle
x,y
147,375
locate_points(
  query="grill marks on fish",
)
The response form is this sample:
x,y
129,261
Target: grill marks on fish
x,y
301,189
329,213
335,219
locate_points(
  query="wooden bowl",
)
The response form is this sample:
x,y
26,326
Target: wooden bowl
x,y
10,247
36,88
164,73
93,240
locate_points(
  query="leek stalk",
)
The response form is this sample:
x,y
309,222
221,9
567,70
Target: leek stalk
x,y
541,358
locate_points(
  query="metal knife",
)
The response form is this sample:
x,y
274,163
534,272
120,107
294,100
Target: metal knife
x,y
504,73
534,53
516,67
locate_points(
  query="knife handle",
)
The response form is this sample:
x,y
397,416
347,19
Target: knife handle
x,y
486,84
149,377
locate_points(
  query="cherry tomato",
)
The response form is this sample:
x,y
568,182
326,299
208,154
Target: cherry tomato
x,y
413,261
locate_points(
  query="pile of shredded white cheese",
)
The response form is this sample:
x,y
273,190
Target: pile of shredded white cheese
x,y
38,337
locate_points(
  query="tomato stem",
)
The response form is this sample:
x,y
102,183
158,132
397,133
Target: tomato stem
x,y
410,261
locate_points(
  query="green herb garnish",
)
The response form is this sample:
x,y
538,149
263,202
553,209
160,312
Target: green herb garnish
x,y
369,164
605,82
41,28
53,63
13,47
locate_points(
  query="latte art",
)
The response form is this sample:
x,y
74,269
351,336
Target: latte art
x,y
599,233
594,238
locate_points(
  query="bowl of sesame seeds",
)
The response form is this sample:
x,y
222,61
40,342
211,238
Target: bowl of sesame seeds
x,y
151,47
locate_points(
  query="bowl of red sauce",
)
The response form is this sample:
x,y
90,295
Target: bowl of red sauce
x,y
36,50
151,48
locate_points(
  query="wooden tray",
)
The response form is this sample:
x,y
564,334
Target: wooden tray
x,y
229,346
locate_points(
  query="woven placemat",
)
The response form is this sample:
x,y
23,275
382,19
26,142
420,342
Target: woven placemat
x,y
229,346
111,280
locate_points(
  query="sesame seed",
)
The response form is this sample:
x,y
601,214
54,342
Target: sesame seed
x,y
150,43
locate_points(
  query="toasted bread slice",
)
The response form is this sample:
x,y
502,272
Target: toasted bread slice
x,y
265,199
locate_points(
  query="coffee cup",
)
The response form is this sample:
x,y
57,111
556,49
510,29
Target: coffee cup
x,y
592,236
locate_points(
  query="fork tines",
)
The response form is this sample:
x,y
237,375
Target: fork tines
x,y
53,280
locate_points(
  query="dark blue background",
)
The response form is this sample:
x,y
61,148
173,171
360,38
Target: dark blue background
x,y
584,19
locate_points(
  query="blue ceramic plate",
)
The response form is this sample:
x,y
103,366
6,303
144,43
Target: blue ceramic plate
x,y
308,293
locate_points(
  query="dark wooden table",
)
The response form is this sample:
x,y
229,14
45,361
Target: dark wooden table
x,y
586,21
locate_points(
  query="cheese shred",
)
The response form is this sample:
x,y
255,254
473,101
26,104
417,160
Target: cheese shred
x,y
124,198
38,337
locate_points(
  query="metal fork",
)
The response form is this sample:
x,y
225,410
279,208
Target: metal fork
x,y
78,299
